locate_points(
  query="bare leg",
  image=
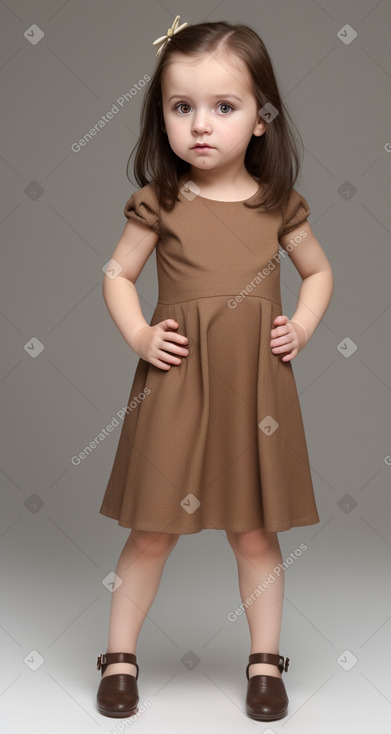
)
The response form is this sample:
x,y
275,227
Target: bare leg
x,y
140,567
257,553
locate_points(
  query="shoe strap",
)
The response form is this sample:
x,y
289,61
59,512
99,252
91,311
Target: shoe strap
x,y
116,657
268,657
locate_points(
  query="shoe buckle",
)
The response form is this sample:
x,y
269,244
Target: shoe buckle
x,y
281,665
100,661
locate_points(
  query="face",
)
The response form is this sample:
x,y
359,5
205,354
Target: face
x,y
209,100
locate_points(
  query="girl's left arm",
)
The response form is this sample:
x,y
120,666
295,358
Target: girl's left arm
x,y
290,336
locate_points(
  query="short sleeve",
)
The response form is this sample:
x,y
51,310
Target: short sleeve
x,y
143,206
294,213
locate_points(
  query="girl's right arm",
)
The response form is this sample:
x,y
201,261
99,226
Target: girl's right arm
x,y
152,343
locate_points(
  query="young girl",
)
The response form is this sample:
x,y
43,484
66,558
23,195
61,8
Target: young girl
x,y
213,435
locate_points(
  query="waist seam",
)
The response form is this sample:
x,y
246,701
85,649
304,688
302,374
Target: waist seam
x,y
227,295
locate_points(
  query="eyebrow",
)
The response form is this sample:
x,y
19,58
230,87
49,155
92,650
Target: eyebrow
x,y
224,96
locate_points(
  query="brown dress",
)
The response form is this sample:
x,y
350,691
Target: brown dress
x,y
218,440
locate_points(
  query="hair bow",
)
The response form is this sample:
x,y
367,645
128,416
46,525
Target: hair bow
x,y
174,29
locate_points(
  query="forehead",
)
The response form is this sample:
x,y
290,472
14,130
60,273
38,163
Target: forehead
x,y
206,73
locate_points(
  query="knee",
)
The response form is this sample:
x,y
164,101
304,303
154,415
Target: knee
x,y
253,543
154,544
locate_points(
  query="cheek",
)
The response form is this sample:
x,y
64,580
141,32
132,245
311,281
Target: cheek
x,y
229,135
235,135
174,131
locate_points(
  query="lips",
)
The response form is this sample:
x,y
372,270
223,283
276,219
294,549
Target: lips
x,y
202,145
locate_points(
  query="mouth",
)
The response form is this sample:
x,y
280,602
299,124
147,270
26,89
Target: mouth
x,y
201,146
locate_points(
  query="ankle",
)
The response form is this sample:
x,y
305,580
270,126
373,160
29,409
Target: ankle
x,y
115,668
263,669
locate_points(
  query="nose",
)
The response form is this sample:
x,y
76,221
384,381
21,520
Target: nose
x,y
201,122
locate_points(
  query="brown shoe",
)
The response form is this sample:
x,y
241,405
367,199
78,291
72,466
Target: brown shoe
x,y
266,698
117,694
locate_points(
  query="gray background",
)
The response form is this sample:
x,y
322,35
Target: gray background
x,y
61,216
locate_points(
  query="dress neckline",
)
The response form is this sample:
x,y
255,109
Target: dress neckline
x,y
219,201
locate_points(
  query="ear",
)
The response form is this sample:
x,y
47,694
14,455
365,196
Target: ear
x,y
260,127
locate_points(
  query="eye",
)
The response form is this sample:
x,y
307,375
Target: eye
x,y
225,104
226,107
181,104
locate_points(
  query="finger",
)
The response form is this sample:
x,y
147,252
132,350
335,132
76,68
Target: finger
x,y
173,348
279,331
286,339
162,365
283,327
283,349
279,338
170,324
170,358
291,355
171,336
281,319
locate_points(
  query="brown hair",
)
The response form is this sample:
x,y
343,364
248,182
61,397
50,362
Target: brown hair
x,y
272,158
